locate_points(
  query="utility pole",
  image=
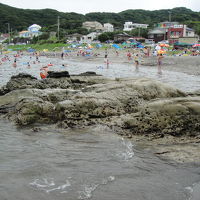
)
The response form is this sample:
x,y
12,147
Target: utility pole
x,y
8,32
58,32
170,16
139,32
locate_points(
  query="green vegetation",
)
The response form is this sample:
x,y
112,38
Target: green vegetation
x,y
21,19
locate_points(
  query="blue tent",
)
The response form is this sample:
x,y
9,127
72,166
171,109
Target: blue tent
x,y
140,46
31,50
99,45
116,46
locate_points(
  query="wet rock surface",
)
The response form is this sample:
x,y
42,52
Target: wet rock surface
x,y
137,105
52,74
138,108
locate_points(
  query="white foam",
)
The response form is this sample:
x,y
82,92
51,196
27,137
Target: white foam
x,y
127,152
47,185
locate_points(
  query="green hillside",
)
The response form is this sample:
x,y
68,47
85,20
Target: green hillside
x,y
20,19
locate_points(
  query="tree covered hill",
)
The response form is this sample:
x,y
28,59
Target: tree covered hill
x,y
20,19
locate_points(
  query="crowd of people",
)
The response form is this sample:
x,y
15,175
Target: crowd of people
x,y
134,56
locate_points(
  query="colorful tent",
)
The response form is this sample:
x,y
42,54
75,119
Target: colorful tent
x,y
99,45
140,46
116,46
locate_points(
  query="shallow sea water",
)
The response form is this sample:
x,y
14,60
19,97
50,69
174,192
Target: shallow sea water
x,y
91,163
179,80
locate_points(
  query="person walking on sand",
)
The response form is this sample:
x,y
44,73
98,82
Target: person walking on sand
x,y
160,57
136,60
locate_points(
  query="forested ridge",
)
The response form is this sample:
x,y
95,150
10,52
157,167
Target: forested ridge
x,y
20,19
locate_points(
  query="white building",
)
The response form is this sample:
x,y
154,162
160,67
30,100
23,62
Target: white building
x,y
24,34
128,26
33,30
108,27
188,32
89,38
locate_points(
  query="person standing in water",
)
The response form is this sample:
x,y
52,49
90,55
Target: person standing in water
x,y
62,55
106,61
15,63
136,60
160,57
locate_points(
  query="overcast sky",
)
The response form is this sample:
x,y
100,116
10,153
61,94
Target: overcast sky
x,y
86,6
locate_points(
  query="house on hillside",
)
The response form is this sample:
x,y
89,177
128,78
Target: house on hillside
x,y
173,32
4,37
158,34
76,37
33,30
90,37
181,33
24,34
129,26
121,37
107,27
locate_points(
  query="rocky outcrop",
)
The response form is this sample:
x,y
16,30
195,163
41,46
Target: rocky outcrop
x,y
166,116
55,80
52,74
137,106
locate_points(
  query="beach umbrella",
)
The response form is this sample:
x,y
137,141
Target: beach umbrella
x,y
161,51
45,50
163,45
196,45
